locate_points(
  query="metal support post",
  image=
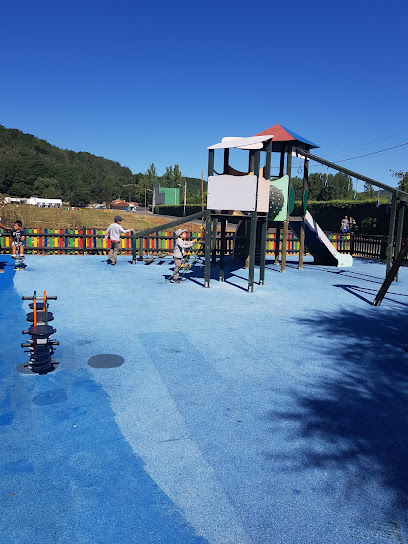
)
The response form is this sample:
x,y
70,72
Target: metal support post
x,y
84,239
400,226
252,244
286,223
302,224
222,249
207,247
210,162
277,244
140,258
226,161
214,242
262,259
391,230
134,251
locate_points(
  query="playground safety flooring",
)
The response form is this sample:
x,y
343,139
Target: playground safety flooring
x,y
273,417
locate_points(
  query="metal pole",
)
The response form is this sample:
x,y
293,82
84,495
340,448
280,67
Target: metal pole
x,y
226,160
400,226
207,243
134,252
254,160
202,190
391,230
207,248
263,251
214,242
185,196
210,162
222,249
153,199
278,229
252,244
286,223
302,224
277,244
84,239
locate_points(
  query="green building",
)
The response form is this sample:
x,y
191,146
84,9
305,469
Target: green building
x,y
167,196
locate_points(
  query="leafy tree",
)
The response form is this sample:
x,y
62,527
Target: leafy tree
x,y
150,178
167,179
368,190
79,197
178,178
47,188
402,180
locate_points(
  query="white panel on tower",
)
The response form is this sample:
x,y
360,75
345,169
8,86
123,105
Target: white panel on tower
x,y
231,193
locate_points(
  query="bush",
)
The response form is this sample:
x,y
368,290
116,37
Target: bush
x,y
177,210
330,213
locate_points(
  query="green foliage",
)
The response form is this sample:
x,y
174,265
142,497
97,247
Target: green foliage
x,y
79,197
326,186
368,225
329,214
177,211
47,188
29,166
402,180
368,190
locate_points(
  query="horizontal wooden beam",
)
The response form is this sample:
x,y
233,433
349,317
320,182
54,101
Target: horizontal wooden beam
x,y
399,194
165,226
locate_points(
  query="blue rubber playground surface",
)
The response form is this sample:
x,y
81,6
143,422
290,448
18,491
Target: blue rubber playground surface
x,y
225,418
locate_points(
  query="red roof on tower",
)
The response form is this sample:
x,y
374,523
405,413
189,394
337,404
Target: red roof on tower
x,y
282,134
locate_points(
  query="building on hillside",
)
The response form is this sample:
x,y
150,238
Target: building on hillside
x,y
14,200
35,201
119,205
45,202
166,196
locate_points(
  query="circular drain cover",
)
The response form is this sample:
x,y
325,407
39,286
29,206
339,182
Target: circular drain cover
x,y
106,360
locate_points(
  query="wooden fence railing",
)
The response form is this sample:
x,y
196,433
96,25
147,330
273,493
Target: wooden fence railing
x,y
86,240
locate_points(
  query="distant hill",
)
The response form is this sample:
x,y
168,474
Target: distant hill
x,y
30,166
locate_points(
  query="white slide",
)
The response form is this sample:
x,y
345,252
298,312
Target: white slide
x,y
319,245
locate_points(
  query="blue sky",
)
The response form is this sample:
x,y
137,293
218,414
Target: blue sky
x,y
141,82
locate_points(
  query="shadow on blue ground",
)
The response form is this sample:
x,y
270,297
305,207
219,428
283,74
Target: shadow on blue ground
x,y
354,418
67,474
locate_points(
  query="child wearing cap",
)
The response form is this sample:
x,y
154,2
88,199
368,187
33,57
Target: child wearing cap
x,y
114,230
180,245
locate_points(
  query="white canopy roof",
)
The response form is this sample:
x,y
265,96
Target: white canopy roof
x,y
252,142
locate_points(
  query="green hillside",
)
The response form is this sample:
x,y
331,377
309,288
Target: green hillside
x,y
30,166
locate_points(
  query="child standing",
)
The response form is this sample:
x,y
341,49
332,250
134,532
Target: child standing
x,y
17,236
114,230
180,245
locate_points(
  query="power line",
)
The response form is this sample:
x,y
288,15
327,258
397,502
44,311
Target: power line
x,y
373,153
368,143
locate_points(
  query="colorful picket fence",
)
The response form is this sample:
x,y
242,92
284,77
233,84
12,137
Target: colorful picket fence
x,y
85,240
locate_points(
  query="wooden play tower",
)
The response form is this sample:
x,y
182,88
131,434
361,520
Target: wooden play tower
x,y
250,194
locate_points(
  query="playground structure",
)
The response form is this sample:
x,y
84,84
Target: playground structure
x,y
40,346
258,202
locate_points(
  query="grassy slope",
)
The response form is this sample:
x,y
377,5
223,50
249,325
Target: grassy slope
x,y
57,218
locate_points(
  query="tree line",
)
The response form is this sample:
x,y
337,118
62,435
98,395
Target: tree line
x,y
30,166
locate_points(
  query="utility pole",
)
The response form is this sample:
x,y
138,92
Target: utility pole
x,y
202,191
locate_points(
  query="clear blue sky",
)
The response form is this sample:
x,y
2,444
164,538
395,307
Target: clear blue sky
x,y
143,82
